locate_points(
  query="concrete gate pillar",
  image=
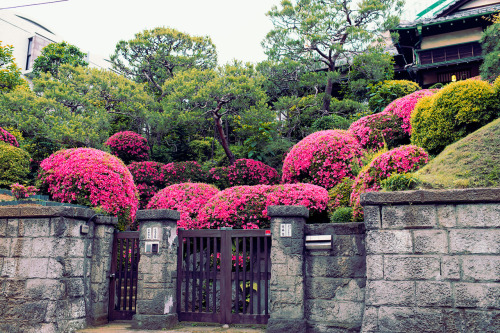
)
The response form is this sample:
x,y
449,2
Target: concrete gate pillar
x,y
156,285
287,269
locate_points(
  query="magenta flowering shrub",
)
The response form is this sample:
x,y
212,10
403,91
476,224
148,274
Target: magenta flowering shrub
x,y
91,177
8,137
322,158
391,126
314,197
244,172
403,159
187,198
148,178
404,106
240,207
128,146
183,172
20,191
245,207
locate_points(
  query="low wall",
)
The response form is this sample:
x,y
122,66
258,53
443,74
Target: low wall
x,y
53,278
433,261
335,279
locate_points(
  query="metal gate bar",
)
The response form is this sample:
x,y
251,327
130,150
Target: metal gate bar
x,y
123,279
223,276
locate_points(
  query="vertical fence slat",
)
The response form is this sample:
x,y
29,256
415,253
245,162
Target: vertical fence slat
x,y
202,271
132,262
266,277
180,270
188,275
120,272
237,275
207,276
126,271
252,258
193,291
259,266
245,274
214,277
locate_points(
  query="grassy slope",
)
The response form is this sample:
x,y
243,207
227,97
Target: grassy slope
x,y
474,161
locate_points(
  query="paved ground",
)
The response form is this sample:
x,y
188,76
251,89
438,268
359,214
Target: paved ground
x,y
184,327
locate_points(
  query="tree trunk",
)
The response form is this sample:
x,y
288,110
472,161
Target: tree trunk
x,y
223,139
328,95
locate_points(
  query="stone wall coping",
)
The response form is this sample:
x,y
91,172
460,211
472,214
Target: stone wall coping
x,y
158,214
351,228
474,195
287,211
55,211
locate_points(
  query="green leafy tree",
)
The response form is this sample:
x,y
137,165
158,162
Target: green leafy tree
x,y
323,31
217,94
490,68
56,54
154,56
10,74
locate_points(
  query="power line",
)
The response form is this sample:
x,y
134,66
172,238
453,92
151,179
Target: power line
x,y
33,4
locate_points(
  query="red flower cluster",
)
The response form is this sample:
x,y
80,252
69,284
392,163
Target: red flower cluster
x,y
244,172
322,158
187,198
128,146
391,126
91,177
8,137
399,160
245,207
148,178
20,191
183,172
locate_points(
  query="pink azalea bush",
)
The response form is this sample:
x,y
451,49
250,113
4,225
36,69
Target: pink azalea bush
x,y
20,191
244,172
148,178
403,159
187,198
322,158
128,146
8,137
183,172
404,106
391,126
91,177
245,207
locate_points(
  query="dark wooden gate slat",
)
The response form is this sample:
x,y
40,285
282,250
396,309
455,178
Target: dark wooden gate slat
x,y
120,272
125,271
193,275
266,279
132,256
244,274
252,258
188,254
202,271
214,277
237,280
259,263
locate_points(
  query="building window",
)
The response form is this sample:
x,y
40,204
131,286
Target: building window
x,y
30,51
463,74
448,53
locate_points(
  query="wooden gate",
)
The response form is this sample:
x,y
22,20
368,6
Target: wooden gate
x,y
123,278
223,276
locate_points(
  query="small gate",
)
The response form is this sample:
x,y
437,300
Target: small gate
x,y
123,283
223,276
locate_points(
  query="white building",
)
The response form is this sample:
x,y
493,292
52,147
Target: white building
x,y
29,37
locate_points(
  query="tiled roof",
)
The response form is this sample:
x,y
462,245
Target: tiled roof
x,y
462,14
445,8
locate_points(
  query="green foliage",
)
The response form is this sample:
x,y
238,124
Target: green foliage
x,y
456,110
385,92
318,32
195,96
339,195
347,108
490,68
330,122
282,78
15,165
342,215
56,54
366,70
401,182
10,74
156,55
470,162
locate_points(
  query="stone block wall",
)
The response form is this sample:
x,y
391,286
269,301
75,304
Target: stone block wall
x,y
433,261
335,279
53,278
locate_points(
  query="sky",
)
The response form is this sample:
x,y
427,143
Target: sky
x,y
236,27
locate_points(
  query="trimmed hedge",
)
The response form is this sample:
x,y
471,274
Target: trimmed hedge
x,y
387,91
456,110
128,146
14,166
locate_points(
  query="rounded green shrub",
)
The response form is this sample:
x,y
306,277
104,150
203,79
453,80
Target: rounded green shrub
x,y
387,91
14,166
455,111
330,122
339,196
343,214
400,182
346,107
